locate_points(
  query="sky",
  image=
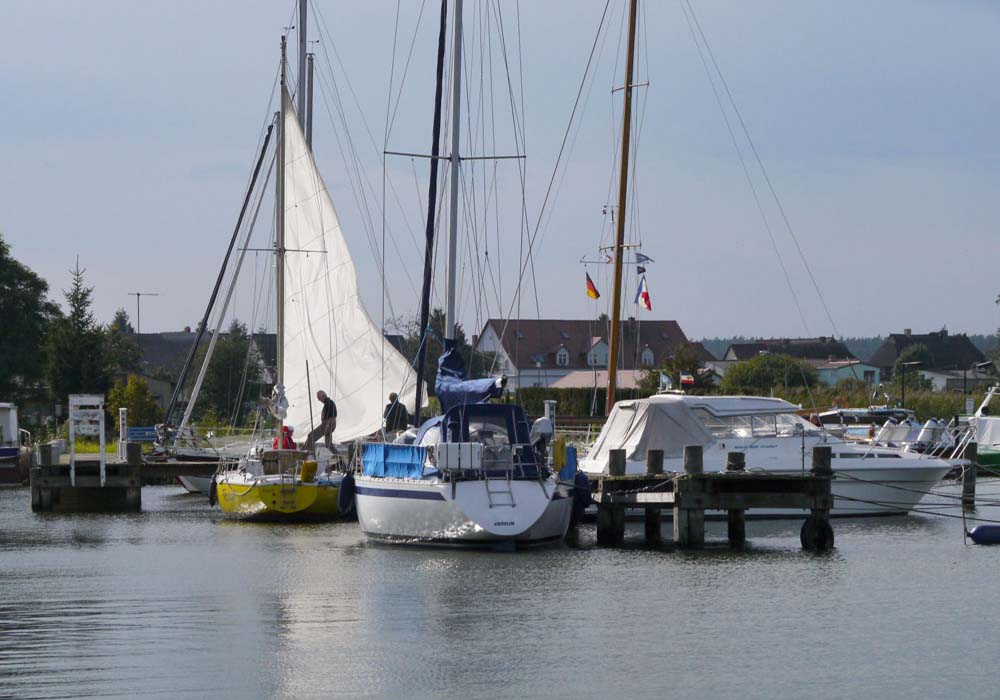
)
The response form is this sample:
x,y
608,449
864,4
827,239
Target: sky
x,y
130,129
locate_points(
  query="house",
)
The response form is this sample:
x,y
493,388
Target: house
x,y
959,380
832,370
539,352
822,348
947,352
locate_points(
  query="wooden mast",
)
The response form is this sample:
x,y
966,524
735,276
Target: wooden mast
x,y
280,242
622,196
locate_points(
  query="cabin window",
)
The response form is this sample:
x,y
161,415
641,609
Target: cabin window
x,y
489,430
562,357
752,426
647,357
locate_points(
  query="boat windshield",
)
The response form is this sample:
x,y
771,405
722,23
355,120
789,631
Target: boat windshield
x,y
753,425
489,430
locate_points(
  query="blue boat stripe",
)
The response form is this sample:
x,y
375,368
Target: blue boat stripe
x,y
400,493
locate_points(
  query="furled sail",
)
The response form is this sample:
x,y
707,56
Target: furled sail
x,y
326,326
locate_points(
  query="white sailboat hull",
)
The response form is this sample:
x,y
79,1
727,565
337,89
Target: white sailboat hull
x,y
431,512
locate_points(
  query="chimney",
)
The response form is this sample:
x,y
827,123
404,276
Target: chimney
x,y
907,332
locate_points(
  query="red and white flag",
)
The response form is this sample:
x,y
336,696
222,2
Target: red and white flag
x,y
642,295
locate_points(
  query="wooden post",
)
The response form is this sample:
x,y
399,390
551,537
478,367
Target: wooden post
x,y
616,462
45,455
969,476
816,534
611,519
693,463
737,530
689,523
133,453
610,525
654,465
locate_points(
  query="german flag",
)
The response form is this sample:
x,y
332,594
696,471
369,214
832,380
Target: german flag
x,y
591,289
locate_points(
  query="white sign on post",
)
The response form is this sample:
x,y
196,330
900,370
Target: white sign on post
x,y
970,406
86,417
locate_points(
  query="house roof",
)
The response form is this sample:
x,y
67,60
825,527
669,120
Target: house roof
x,y
531,343
947,351
822,348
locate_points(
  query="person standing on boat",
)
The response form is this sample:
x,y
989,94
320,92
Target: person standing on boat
x,y
327,423
396,416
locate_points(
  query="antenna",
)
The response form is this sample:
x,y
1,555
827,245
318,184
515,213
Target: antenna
x,y
138,296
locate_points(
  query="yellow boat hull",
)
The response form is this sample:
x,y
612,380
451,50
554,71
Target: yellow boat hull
x,y
287,501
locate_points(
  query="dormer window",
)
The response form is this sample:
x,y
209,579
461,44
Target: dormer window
x,y
562,357
647,357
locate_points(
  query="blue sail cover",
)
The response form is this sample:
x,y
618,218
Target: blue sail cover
x,y
453,389
400,461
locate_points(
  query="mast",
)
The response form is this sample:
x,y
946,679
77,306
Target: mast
x,y
301,65
280,243
425,297
456,108
622,196
310,58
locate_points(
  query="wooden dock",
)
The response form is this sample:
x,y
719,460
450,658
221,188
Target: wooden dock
x,y
57,488
692,493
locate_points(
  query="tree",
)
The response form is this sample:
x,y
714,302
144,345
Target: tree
x,y
434,348
27,315
121,350
77,362
136,397
121,322
765,372
231,377
918,352
683,361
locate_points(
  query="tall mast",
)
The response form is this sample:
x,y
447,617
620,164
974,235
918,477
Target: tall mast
x,y
309,101
425,296
301,65
456,105
622,196
280,243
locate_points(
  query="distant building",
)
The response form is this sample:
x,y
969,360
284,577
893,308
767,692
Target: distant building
x,y
948,352
540,352
822,348
831,370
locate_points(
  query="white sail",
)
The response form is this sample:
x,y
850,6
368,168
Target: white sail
x,y
326,324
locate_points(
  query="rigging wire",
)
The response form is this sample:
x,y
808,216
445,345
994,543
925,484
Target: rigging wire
x,y
555,170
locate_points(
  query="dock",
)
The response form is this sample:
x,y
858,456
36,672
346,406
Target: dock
x,y
691,493
86,486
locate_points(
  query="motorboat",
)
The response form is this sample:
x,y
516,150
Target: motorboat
x,y
986,427
868,479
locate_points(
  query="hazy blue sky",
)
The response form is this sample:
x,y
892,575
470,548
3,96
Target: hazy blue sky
x,y
129,130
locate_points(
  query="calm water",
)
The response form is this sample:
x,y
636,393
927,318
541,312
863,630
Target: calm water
x,y
177,603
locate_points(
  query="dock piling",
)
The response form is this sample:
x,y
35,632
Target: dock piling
x,y
654,466
737,529
689,513
969,476
816,534
611,518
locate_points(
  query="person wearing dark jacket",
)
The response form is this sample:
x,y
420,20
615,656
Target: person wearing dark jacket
x,y
327,423
395,415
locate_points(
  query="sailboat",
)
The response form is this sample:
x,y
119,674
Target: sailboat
x,y
477,475
325,340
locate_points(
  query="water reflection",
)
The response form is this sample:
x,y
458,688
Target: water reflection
x,y
177,602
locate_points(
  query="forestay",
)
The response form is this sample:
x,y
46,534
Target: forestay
x,y
326,324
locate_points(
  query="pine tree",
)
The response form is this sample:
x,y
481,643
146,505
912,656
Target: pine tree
x,y
77,362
